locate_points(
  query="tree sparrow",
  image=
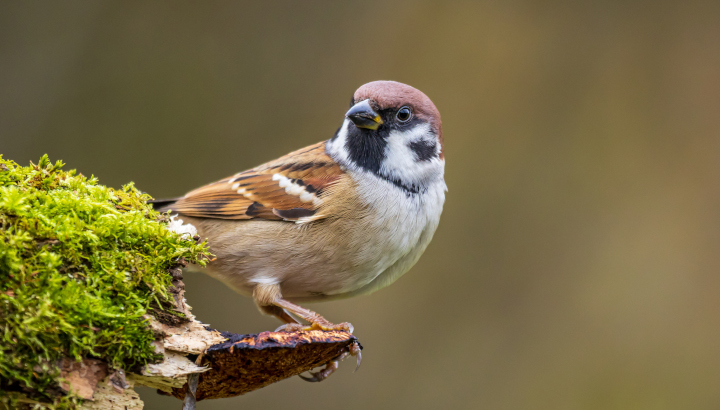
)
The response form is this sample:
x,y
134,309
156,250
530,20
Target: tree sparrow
x,y
340,218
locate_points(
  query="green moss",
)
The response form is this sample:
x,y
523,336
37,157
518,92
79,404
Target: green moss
x,y
80,264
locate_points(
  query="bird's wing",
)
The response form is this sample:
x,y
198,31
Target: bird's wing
x,y
291,188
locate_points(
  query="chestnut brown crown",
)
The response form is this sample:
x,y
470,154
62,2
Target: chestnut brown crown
x,y
392,94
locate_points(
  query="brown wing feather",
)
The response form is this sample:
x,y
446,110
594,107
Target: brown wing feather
x,y
289,188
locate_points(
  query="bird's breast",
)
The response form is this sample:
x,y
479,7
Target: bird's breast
x,y
396,225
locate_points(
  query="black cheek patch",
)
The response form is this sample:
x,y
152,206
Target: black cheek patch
x,y
425,150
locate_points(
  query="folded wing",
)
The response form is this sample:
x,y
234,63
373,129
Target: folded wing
x,y
291,188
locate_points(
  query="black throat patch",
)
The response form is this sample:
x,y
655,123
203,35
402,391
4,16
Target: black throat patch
x,y
366,148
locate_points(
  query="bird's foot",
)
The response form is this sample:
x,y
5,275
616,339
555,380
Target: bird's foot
x,y
353,350
327,326
316,321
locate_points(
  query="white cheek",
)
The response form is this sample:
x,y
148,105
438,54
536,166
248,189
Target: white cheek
x,y
398,154
401,161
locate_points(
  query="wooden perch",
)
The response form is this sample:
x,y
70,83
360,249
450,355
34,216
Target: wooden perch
x,y
231,364
228,364
248,362
223,364
80,264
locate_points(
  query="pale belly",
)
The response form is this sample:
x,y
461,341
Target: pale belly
x,y
327,259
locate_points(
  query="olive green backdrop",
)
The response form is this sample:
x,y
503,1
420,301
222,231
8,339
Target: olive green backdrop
x,y
576,264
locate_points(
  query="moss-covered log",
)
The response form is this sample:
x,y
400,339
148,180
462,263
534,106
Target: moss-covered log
x,y
92,302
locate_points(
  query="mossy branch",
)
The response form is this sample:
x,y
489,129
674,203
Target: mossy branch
x,y
92,302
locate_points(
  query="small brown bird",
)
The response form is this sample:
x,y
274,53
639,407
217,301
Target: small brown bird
x,y
340,218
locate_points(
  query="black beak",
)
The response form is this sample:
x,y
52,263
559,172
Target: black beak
x,y
363,116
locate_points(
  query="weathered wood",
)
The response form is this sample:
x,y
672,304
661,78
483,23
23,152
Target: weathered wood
x,y
248,362
82,377
221,363
109,397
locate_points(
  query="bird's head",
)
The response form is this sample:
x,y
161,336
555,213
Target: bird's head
x,y
394,131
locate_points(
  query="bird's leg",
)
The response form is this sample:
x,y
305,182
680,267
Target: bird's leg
x,y
279,313
264,295
269,299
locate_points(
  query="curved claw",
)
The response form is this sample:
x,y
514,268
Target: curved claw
x,y
359,359
353,350
323,374
312,379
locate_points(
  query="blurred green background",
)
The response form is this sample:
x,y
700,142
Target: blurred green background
x,y
576,263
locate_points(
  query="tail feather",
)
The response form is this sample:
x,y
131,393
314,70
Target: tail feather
x,y
163,205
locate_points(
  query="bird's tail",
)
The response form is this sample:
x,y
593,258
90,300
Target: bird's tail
x,y
163,205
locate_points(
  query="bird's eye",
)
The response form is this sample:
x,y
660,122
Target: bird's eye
x,y
404,114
